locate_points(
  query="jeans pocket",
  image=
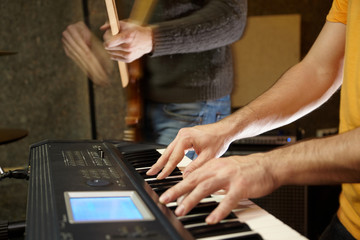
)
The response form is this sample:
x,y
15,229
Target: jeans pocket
x,y
189,113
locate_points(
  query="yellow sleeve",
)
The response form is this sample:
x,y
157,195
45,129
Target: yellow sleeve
x,y
338,11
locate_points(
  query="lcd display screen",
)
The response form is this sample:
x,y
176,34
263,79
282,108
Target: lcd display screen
x,y
104,209
87,207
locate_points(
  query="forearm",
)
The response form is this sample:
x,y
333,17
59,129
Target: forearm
x,y
331,160
299,91
217,24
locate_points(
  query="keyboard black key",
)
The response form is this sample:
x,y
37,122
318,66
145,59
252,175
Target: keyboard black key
x,y
200,218
254,236
218,229
205,207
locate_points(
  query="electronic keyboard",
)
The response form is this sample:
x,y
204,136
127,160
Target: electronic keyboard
x,y
99,190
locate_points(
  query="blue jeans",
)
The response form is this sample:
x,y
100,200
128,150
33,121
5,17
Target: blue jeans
x,y
163,121
336,231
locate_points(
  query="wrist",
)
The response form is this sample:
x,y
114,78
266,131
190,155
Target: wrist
x,y
241,124
150,36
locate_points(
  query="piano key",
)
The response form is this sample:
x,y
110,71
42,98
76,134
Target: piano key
x,y
200,218
175,172
204,207
150,179
160,191
221,228
144,154
268,226
234,236
143,164
155,180
168,183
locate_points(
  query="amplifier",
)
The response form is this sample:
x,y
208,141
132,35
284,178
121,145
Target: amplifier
x,y
267,140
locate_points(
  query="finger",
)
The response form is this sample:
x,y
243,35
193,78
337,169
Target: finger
x,y
202,158
176,191
205,187
181,198
88,63
107,36
173,154
118,53
160,163
123,56
83,32
183,143
99,74
105,26
81,51
120,59
176,156
72,57
75,39
124,47
75,56
226,205
116,40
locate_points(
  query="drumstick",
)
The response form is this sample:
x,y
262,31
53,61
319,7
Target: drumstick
x,y
140,14
115,29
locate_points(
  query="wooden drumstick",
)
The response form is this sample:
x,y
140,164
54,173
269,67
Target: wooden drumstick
x,y
115,29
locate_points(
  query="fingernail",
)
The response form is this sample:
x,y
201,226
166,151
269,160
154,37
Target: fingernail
x,y
164,198
180,210
211,219
160,176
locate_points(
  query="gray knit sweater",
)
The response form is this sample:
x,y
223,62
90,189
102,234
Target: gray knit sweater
x,y
191,59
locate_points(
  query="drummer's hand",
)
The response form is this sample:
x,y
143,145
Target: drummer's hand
x,y
132,42
241,177
204,139
87,52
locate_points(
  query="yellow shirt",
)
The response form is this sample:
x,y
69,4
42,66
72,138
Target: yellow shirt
x,y
348,12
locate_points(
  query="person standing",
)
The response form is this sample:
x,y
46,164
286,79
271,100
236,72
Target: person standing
x,y
186,56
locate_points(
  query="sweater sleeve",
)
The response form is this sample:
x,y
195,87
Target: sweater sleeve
x,y
218,23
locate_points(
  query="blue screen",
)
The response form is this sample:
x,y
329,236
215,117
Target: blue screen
x,y
104,209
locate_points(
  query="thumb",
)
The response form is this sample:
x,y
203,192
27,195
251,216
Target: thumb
x,y
105,26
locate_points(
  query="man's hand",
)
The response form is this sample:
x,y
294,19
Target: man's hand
x,y
207,142
131,43
88,53
241,177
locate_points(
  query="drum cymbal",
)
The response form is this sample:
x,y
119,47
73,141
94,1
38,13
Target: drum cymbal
x,y
3,53
8,135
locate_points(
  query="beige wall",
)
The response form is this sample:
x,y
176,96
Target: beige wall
x,y
270,45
